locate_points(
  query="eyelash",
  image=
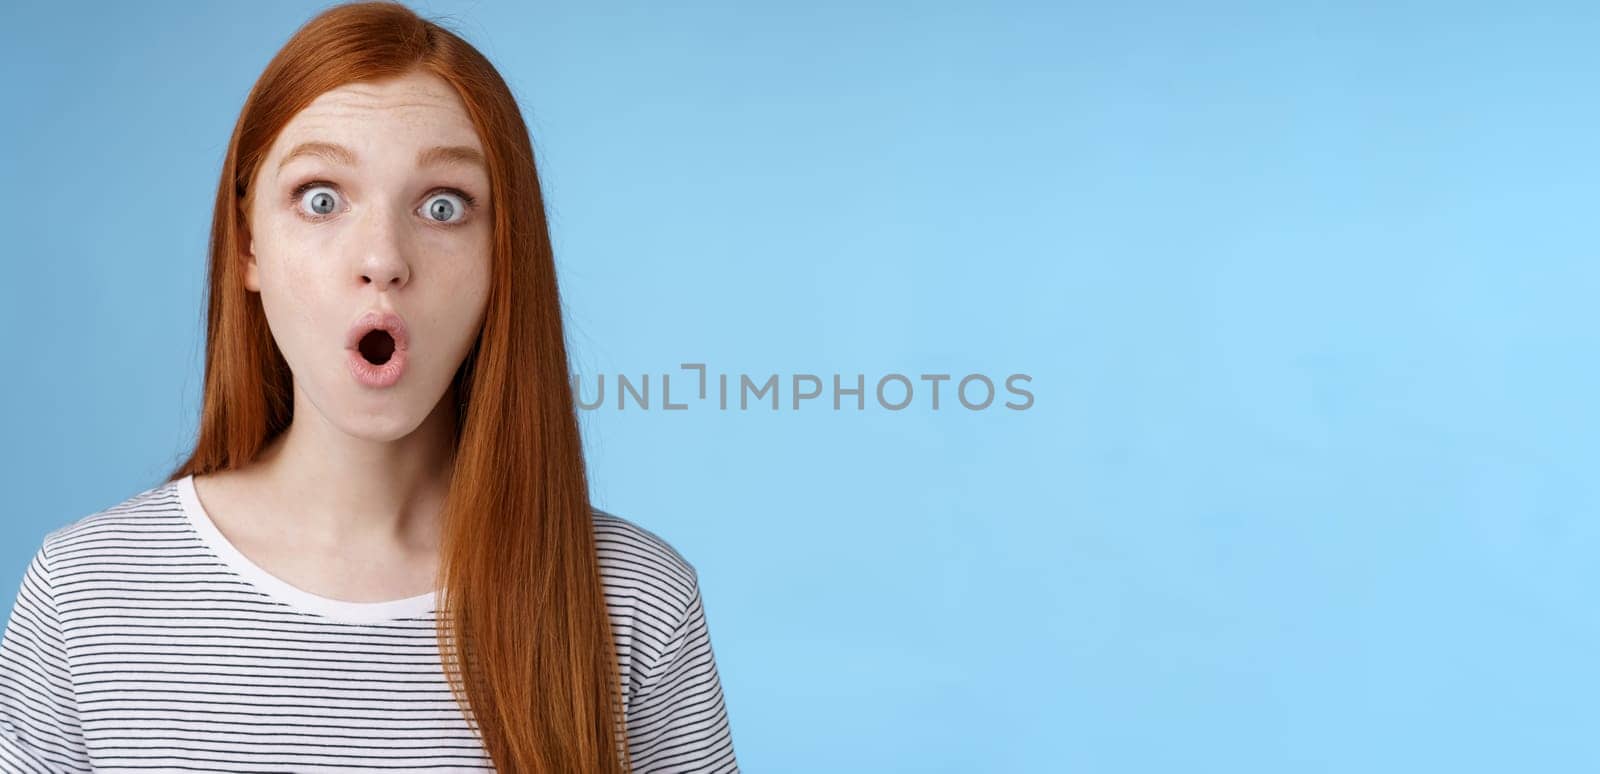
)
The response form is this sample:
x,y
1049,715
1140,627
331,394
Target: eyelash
x,y
300,190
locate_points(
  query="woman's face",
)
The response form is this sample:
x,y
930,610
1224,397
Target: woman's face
x,y
374,197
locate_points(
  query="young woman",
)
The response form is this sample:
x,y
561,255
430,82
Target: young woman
x,y
381,553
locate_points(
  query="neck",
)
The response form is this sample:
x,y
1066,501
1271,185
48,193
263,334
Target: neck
x,y
336,489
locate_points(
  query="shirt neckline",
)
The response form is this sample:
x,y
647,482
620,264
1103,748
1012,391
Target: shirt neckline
x,y
283,591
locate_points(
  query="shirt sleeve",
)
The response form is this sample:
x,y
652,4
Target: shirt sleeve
x,y
39,728
677,721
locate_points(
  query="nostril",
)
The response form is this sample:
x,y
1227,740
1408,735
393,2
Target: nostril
x,y
377,346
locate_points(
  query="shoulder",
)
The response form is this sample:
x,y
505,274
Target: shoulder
x,y
85,560
639,566
86,550
652,593
136,518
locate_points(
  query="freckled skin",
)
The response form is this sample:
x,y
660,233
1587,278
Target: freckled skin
x,y
347,502
379,246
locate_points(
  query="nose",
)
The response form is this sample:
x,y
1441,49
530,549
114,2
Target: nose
x,y
381,255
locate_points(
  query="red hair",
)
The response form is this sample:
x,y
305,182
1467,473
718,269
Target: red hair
x,y
524,632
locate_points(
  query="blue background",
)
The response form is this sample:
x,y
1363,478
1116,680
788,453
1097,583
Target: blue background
x,y
1306,293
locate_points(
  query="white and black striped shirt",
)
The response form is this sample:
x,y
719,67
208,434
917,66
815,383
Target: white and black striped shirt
x,y
142,640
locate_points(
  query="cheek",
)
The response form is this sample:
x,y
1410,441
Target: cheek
x,y
464,290
482,278
286,275
465,267
291,290
292,257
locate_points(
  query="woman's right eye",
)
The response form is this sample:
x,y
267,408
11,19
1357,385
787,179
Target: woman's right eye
x,y
316,199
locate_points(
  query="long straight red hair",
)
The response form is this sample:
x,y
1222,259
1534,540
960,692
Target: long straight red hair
x,y
524,632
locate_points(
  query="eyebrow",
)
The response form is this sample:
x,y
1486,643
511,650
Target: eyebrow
x,y
338,154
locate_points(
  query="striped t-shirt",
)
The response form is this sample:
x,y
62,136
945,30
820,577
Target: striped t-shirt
x,y
142,640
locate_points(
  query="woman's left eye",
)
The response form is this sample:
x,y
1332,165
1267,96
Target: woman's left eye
x,y
445,207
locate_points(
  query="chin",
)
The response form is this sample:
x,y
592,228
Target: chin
x,y
391,421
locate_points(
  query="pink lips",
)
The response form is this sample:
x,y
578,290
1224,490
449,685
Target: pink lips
x,y
390,371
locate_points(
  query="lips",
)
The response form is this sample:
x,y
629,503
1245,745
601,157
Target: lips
x,y
377,321
376,348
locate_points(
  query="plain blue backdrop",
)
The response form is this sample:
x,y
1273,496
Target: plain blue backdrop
x,y
1306,292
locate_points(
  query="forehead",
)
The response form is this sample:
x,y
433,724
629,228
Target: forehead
x,y
399,115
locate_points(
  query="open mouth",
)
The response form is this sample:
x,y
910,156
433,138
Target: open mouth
x,y
377,346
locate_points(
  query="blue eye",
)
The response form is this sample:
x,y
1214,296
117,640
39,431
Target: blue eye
x,y
443,207
322,200
317,199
